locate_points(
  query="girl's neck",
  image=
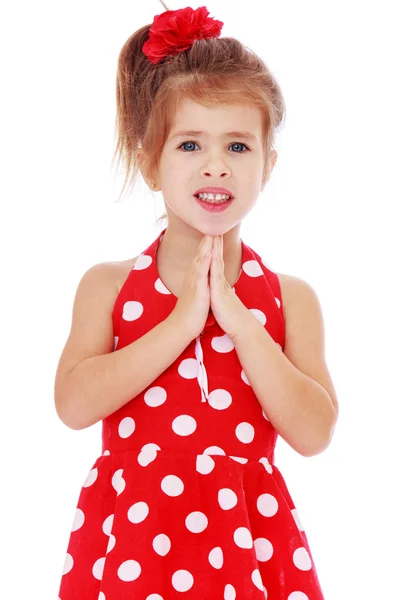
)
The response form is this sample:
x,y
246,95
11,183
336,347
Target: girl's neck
x,y
178,248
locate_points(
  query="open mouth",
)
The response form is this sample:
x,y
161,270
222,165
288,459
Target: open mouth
x,y
213,205
214,199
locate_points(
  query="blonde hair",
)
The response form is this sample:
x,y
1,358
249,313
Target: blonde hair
x,y
212,72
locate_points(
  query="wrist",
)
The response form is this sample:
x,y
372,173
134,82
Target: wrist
x,y
249,325
180,326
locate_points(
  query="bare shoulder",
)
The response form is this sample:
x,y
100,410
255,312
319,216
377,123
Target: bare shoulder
x,y
298,296
121,270
287,289
305,331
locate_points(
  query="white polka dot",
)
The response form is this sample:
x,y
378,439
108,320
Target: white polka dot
x,y
91,478
216,558
264,461
240,459
264,549
244,377
259,315
297,519
129,570
219,399
256,579
278,302
98,568
298,596
132,310
68,564
79,519
111,543
204,464
214,450
252,268
264,415
182,580
184,425
222,343
245,433
302,559
172,485
229,592
138,512
155,396
227,498
142,262
107,524
162,544
118,482
116,338
147,454
101,596
154,597
242,537
126,427
188,368
161,288
196,522
267,505
106,453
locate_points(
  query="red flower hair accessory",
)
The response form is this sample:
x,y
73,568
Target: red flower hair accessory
x,y
175,30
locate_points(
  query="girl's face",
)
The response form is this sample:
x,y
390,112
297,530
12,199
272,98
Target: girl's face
x,y
214,157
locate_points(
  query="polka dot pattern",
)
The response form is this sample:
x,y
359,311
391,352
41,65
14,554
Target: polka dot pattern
x,y
242,537
184,425
185,500
98,567
138,512
155,396
162,544
118,482
182,580
126,427
216,558
227,499
172,485
147,454
196,522
79,520
129,570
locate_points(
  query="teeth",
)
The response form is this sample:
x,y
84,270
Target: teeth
x,y
214,198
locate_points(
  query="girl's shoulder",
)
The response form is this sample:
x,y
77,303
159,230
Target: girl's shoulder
x,y
122,268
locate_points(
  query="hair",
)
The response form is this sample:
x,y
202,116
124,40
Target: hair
x,y
213,72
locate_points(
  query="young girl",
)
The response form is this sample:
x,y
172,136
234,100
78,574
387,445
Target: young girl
x,y
180,351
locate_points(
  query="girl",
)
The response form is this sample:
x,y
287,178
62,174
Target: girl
x,y
181,354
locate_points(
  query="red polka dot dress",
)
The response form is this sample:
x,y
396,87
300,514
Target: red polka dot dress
x,y
185,501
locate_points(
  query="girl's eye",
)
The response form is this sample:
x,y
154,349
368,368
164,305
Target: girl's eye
x,y
233,144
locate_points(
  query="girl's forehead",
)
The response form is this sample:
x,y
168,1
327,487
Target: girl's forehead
x,y
192,115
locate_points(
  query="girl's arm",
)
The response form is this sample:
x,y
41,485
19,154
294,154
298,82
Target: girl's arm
x,y
91,387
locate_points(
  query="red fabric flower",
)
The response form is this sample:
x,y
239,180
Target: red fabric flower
x,y
175,30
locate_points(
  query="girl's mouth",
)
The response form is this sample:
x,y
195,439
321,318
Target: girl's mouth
x,y
214,206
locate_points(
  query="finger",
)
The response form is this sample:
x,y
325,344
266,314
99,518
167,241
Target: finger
x,y
220,247
216,247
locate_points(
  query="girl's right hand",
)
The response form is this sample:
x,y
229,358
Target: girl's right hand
x,y
193,305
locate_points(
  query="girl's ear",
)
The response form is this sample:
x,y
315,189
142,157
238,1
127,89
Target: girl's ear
x,y
274,158
139,159
272,163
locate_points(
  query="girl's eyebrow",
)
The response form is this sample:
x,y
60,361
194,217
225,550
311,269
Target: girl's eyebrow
x,y
241,134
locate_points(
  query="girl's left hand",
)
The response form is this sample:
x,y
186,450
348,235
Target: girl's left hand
x,y
229,311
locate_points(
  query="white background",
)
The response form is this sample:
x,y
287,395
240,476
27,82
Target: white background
x,y
328,215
